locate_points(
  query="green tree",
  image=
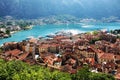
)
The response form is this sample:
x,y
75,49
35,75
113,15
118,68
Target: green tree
x,y
2,26
1,50
95,32
3,72
101,76
18,70
8,32
82,74
94,40
56,75
85,74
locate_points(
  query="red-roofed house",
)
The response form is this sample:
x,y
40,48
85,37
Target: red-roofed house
x,y
106,57
43,48
14,52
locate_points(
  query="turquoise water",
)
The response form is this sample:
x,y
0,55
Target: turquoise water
x,y
50,29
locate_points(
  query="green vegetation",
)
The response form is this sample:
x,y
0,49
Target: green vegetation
x,y
117,31
18,70
118,36
1,50
2,26
24,25
8,32
94,40
9,23
95,32
88,33
85,74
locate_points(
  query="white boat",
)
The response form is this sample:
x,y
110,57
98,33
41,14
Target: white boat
x,y
30,37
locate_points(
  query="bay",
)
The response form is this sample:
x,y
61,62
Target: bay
x,y
43,30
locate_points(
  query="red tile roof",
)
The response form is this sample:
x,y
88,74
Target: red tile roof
x,y
91,60
44,45
33,40
14,52
60,37
23,56
117,76
108,56
117,57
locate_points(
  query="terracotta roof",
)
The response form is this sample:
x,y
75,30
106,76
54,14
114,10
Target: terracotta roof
x,y
50,58
117,76
59,60
44,46
45,54
90,49
91,60
54,45
117,57
82,40
14,52
33,40
23,56
99,54
118,70
108,56
60,37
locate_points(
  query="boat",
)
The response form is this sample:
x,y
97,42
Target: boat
x,y
50,35
30,37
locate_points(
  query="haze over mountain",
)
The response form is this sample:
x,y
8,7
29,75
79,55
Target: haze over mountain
x,y
79,8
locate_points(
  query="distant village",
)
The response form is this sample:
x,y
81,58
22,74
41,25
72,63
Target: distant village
x,y
8,26
100,50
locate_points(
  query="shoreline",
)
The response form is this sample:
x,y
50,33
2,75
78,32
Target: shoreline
x,y
60,45
64,33
47,34
13,32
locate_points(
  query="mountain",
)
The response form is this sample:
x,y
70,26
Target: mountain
x,y
78,8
